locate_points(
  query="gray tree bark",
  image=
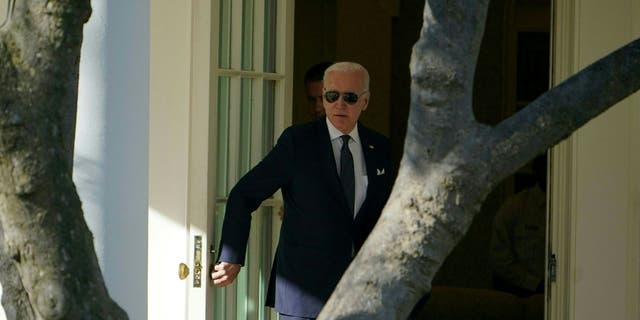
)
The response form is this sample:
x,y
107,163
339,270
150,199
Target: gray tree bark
x,y
48,265
451,162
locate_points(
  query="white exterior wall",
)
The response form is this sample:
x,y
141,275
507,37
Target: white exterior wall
x,y
111,146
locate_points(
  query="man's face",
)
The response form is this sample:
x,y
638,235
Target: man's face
x,y
343,115
314,98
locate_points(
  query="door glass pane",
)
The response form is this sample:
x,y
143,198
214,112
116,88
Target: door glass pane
x,y
245,128
242,282
266,254
222,137
270,23
246,102
224,47
219,294
247,35
253,279
268,114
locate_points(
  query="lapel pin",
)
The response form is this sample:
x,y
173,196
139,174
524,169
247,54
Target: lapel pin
x,y
370,146
380,171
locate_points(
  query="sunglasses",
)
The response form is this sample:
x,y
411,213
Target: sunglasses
x,y
348,97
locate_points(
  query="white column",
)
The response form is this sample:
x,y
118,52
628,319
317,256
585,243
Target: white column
x,y
111,146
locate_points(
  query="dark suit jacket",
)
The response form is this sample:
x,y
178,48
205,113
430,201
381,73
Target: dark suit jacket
x,y
318,233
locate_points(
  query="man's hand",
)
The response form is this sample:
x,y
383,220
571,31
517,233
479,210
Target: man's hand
x,y
224,273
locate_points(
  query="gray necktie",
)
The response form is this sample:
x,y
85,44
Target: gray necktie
x,y
346,172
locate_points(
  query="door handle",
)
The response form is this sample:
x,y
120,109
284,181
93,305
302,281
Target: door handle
x,y
183,271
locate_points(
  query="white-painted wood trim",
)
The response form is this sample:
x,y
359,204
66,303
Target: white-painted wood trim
x,y
213,129
562,224
562,199
200,195
250,74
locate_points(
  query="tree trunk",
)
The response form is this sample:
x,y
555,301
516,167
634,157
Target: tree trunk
x,y
15,300
451,162
51,267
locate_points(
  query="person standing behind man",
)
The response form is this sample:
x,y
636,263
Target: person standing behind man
x,y
313,88
334,177
518,238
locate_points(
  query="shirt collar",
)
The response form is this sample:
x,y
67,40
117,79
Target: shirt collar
x,y
334,133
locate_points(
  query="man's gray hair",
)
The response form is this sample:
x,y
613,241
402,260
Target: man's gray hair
x,y
347,66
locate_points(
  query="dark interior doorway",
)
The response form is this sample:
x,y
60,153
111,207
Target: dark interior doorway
x,y
513,69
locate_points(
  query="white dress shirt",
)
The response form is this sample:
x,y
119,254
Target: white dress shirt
x,y
359,166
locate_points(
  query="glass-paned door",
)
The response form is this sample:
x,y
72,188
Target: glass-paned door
x,y
250,76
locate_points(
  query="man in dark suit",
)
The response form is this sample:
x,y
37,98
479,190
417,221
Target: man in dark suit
x,y
334,177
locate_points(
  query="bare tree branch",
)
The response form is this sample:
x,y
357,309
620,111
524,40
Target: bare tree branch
x,y
562,110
